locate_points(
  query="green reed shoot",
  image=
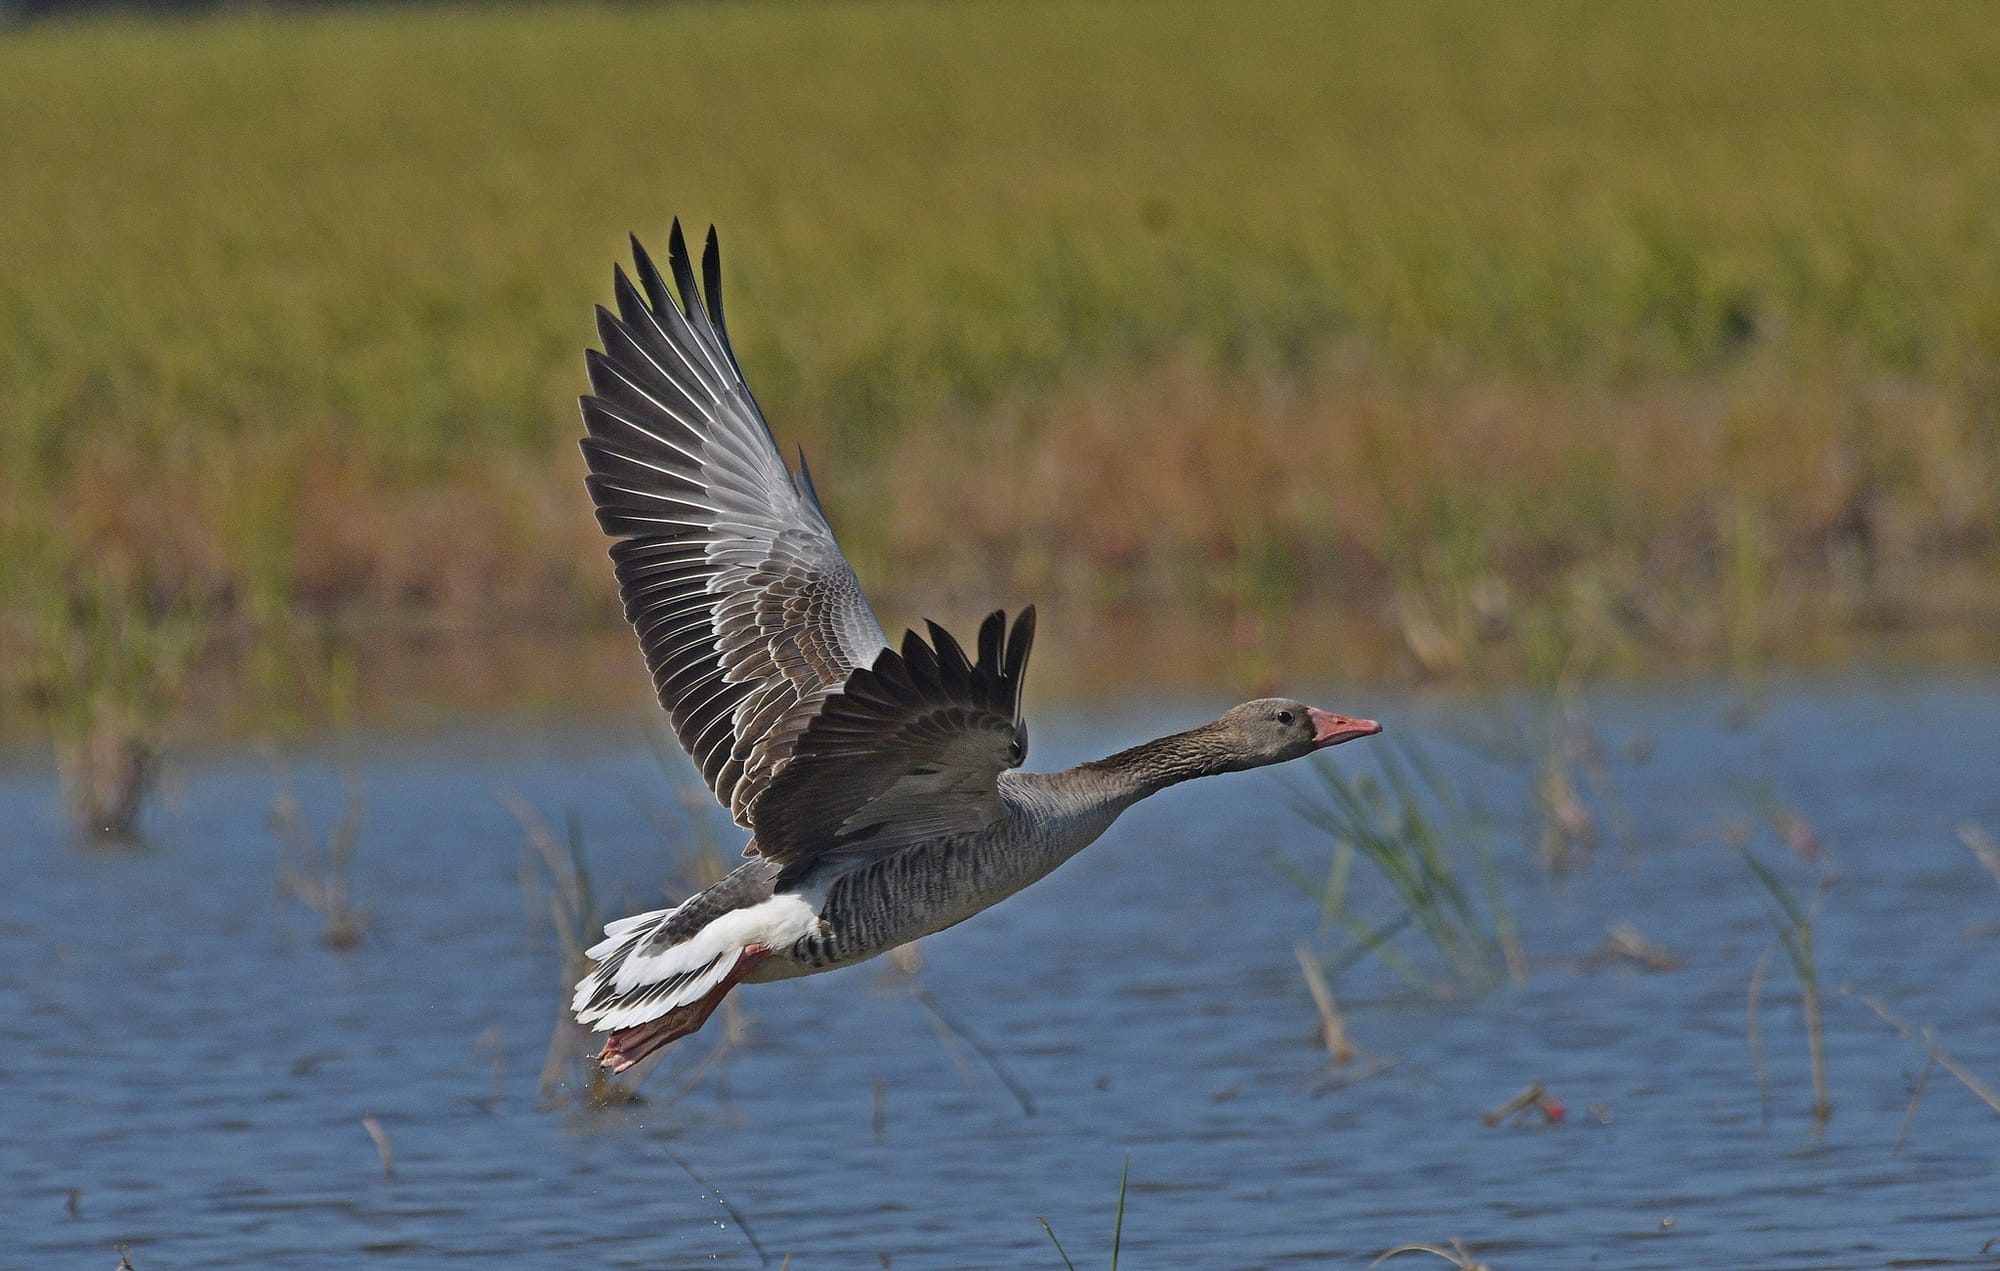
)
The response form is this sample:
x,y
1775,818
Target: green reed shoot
x,y
1117,1224
1428,840
1795,927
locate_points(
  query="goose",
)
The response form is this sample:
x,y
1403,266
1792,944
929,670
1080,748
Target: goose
x,y
880,783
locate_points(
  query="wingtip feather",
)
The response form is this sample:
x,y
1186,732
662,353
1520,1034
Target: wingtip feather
x,y
1019,642
711,281
649,277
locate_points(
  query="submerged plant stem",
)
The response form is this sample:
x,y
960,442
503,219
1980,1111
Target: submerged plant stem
x,y
1987,1094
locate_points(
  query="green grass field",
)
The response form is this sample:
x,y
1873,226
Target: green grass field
x,y
1685,318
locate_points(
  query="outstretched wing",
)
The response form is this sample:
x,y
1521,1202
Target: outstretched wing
x,y
911,748
747,612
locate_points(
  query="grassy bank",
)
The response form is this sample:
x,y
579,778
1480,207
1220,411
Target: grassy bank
x,y
1564,324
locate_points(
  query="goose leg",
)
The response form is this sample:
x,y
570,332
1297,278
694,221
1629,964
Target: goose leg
x,y
628,1046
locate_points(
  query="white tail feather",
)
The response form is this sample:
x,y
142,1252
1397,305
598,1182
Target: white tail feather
x,y
614,932
646,983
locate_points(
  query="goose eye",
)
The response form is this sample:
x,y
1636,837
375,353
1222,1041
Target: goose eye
x,y
1286,717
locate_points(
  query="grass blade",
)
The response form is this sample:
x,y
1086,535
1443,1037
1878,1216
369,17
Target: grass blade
x,y
1057,1243
1118,1224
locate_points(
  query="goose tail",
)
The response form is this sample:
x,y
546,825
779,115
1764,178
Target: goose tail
x,y
659,975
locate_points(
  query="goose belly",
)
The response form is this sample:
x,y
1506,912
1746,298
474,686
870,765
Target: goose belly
x,y
872,908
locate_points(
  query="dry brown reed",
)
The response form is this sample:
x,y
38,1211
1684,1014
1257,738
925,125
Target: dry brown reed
x,y
568,1067
380,1138
1982,847
1521,1108
1475,506
1332,1026
1456,1254
1624,942
1916,1097
1923,1037
951,1032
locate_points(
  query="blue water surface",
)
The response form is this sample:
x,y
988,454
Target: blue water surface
x,y
185,1068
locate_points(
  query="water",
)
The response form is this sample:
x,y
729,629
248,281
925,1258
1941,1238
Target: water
x,y
184,1069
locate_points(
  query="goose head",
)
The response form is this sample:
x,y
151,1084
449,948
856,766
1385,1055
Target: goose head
x,y
1276,729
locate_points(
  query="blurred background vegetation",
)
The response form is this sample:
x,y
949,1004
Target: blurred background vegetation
x,y
1438,337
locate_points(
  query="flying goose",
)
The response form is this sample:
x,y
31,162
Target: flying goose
x,y
879,783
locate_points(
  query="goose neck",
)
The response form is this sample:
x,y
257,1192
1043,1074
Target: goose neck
x,y
1152,766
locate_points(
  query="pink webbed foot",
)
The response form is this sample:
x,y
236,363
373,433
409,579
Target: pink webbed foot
x,y
627,1046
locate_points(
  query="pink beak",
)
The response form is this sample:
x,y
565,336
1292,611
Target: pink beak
x,y
1330,729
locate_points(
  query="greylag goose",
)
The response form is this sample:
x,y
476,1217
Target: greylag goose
x,y
878,782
